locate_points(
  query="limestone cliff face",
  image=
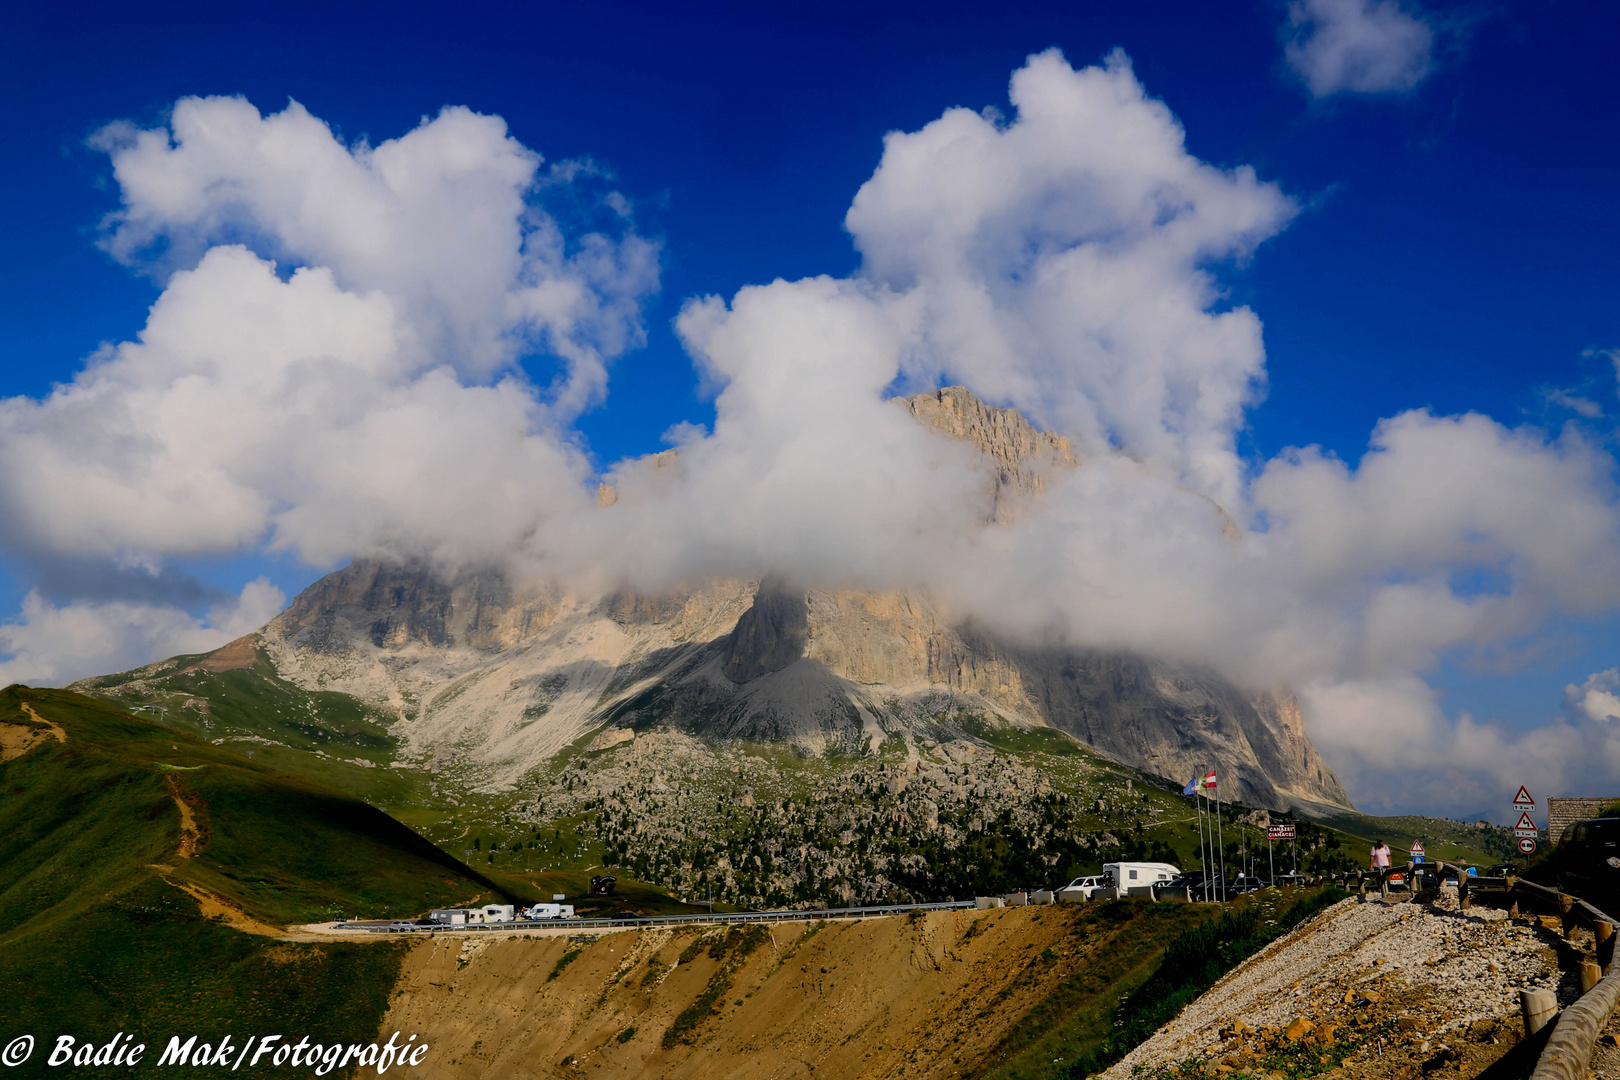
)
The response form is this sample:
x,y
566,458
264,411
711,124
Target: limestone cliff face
x,y
487,671
1024,456
478,671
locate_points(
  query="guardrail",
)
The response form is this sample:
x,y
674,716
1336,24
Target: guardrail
x,y
632,921
1576,1029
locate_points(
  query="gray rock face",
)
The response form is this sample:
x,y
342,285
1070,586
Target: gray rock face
x,y
1177,721
770,635
476,668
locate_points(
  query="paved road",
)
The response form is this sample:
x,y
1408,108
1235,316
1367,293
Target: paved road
x,y
402,927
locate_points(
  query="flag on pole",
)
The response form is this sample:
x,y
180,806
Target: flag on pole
x,y
1208,781
1191,788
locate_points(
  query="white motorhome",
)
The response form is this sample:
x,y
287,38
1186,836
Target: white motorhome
x,y
550,911
497,913
1126,876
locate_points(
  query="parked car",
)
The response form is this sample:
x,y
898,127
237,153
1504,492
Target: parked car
x,y
1588,861
1087,885
1199,886
1192,881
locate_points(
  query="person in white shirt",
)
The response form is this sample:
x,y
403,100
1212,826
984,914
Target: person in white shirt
x,y
1380,855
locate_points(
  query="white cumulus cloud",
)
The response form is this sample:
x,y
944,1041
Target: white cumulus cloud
x,y
1063,260
50,645
1598,698
1358,46
441,220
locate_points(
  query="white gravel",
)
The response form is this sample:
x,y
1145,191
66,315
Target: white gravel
x,y
1364,944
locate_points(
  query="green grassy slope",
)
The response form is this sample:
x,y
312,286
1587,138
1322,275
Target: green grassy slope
x,y
144,961
99,813
332,737
1125,941
1152,960
252,700
97,934
1442,837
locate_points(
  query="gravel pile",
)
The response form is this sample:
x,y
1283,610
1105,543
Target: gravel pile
x,y
1392,977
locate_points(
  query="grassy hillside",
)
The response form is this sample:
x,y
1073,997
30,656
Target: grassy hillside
x,y
1442,837
243,703
103,810
129,855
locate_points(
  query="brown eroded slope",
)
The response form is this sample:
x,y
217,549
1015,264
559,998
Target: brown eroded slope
x,y
941,994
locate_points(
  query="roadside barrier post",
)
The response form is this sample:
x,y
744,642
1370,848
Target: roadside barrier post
x,y
1539,1007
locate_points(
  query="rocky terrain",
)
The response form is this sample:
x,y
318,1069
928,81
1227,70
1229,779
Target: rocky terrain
x,y
1372,988
755,830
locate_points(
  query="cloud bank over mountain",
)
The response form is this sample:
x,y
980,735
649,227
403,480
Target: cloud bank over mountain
x,y
334,370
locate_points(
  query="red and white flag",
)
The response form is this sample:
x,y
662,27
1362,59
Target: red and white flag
x,y
1208,781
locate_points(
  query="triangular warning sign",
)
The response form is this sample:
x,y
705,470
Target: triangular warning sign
x,y
1525,822
1417,847
1523,797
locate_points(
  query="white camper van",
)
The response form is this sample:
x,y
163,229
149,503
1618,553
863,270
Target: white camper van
x,y
550,911
1129,876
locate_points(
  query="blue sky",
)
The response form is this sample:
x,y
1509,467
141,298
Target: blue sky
x,y
1453,249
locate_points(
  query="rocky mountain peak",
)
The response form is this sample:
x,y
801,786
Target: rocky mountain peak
x,y
1024,456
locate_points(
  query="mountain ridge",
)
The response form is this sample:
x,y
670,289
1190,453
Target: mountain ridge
x,y
505,678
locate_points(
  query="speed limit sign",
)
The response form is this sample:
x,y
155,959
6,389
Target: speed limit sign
x,y
1527,844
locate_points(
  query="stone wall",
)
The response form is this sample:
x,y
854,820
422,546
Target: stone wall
x,y
1562,812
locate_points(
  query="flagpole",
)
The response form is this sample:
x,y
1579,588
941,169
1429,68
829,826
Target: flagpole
x,y
1198,804
1221,825
1209,828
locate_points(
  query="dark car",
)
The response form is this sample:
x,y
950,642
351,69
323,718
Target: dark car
x,y
1190,880
1588,859
1202,886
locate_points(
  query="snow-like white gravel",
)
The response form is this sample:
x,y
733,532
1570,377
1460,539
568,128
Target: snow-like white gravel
x,y
1472,963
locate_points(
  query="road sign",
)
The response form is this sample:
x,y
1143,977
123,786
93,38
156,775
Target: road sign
x,y
1527,844
1417,847
1523,800
1525,826
1279,832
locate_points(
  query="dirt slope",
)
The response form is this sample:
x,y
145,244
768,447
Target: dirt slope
x,y
927,996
